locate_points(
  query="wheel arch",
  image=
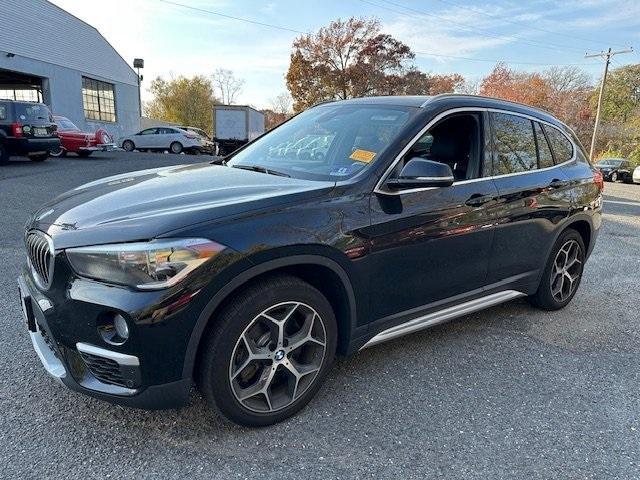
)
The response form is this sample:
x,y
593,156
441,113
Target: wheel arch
x,y
321,272
584,228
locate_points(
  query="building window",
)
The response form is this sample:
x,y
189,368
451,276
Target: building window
x,y
99,100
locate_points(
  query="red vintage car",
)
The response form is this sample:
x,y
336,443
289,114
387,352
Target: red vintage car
x,y
73,140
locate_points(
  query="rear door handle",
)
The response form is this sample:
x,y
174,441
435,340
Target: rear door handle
x,y
555,183
477,200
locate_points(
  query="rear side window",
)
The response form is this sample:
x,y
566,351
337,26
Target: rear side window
x,y
3,111
560,144
545,157
514,144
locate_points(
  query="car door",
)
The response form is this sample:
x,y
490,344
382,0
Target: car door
x,y
165,137
429,245
144,139
534,196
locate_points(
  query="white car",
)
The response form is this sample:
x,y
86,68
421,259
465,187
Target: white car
x,y
173,139
636,175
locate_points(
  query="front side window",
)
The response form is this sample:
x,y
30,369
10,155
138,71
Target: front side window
x,y
560,144
456,141
328,142
514,144
149,131
98,99
545,157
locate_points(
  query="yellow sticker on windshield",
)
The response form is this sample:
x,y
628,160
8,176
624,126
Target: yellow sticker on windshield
x,y
362,155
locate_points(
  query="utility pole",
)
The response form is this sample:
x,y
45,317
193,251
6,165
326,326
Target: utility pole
x,y
607,57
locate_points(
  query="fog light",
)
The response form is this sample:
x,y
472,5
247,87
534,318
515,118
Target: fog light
x,y
122,329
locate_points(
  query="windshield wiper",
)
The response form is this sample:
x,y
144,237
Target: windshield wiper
x,y
258,168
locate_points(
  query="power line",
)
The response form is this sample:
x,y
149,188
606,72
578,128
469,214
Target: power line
x,y
519,24
482,32
607,57
246,20
279,27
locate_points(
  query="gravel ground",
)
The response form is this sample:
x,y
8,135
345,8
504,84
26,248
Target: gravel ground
x,y
511,392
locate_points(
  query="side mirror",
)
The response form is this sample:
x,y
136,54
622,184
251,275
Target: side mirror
x,y
419,173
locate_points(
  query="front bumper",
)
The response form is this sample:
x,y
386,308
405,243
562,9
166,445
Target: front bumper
x,y
87,368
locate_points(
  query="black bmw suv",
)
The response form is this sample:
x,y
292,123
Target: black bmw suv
x,y
26,128
249,276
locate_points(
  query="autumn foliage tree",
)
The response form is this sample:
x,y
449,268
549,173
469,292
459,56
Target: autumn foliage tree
x,y
353,58
182,100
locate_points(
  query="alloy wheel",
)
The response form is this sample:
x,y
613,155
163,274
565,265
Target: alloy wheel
x,y
566,271
277,357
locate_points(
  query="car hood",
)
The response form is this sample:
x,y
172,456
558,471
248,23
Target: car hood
x,y
145,204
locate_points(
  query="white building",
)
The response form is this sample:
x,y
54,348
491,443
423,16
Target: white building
x,y
49,55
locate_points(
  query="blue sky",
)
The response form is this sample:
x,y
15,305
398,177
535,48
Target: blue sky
x,y
175,40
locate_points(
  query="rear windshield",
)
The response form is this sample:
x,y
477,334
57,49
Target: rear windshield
x,y
33,112
64,124
610,162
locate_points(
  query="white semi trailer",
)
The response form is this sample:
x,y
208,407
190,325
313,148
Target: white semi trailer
x,y
235,125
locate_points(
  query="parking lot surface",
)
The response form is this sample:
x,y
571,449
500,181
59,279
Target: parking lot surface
x,y
511,392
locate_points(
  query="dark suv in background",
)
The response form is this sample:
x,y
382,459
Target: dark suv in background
x,y
26,128
249,276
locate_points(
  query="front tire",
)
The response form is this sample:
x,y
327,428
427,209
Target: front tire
x,y
62,152
269,351
128,146
614,177
562,274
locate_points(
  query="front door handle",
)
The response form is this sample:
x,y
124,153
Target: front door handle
x,y
477,200
555,183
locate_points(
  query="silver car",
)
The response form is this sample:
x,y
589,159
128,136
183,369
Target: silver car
x,y
173,139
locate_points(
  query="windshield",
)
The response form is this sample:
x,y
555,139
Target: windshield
x,y
610,162
328,142
30,112
65,124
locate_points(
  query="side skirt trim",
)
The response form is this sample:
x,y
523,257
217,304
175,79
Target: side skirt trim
x,y
444,315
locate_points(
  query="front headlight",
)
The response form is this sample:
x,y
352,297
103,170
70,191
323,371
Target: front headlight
x,y
144,265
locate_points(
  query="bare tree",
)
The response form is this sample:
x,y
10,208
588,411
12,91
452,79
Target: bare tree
x,y
227,85
281,103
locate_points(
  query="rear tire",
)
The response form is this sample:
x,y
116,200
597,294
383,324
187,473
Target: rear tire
x,y
128,146
175,147
288,361
41,157
562,274
4,155
58,153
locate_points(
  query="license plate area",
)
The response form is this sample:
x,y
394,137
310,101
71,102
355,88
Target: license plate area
x,y
27,308
40,132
